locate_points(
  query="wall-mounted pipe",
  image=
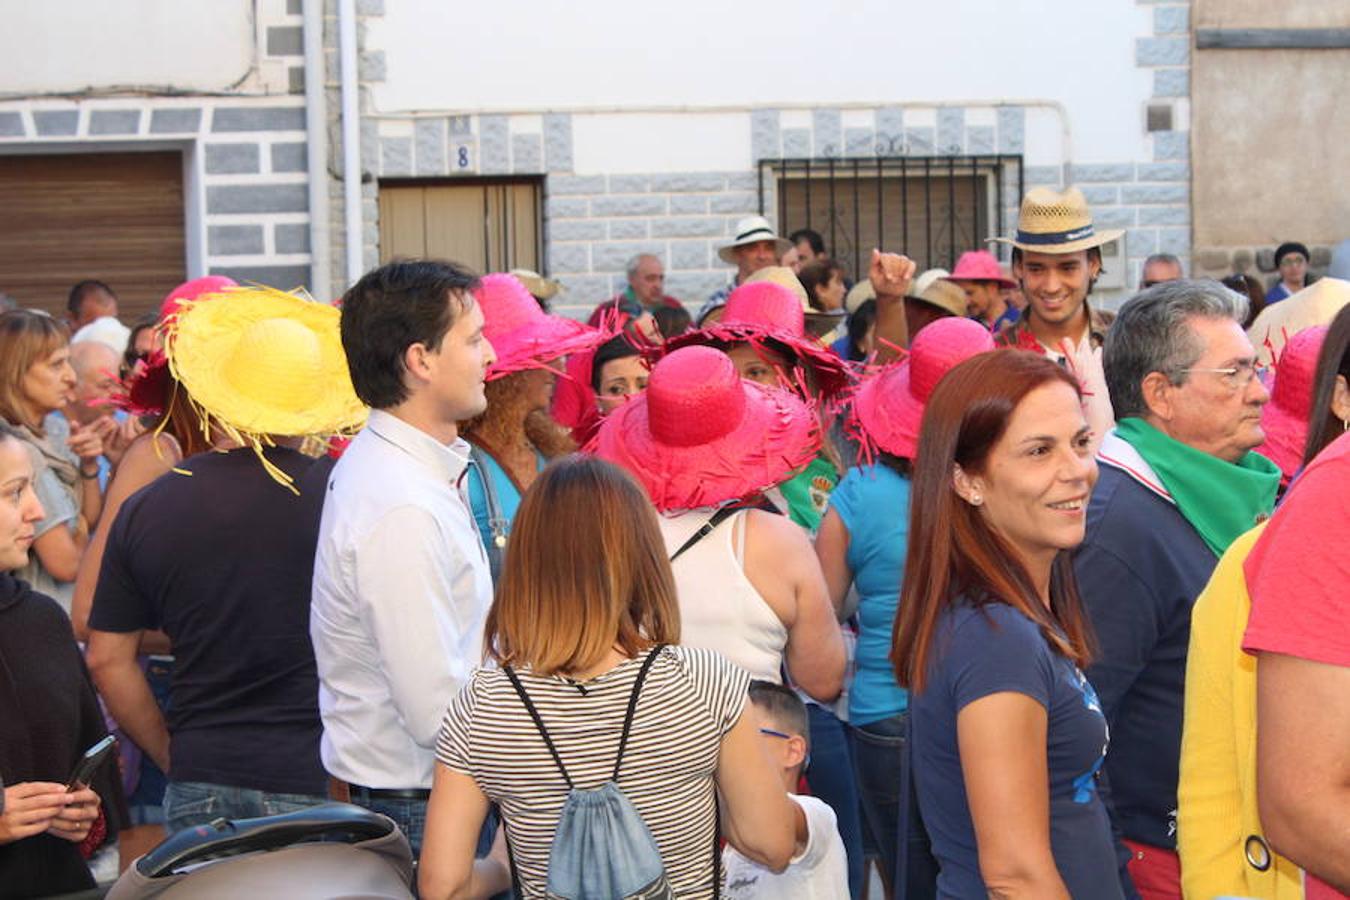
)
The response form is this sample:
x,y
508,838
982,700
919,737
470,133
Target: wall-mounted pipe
x,y
351,141
316,151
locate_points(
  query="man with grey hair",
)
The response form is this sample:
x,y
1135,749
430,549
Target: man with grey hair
x,y
645,292
1158,268
1178,484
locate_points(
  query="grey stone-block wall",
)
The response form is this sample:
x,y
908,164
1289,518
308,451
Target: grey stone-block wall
x,y
254,217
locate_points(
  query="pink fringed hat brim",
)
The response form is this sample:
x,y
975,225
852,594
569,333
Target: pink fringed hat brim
x,y
778,435
886,415
831,373
1286,438
538,344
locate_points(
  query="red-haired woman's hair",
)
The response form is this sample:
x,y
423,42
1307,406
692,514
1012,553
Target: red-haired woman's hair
x,y
585,572
953,553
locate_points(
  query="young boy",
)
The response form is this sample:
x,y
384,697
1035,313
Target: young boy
x,y
819,869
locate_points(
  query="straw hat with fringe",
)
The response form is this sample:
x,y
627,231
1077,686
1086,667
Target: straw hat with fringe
x,y
265,362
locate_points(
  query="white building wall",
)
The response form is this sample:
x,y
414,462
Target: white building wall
x,y
649,122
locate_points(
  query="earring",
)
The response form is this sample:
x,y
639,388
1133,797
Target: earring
x,y
976,499
1345,424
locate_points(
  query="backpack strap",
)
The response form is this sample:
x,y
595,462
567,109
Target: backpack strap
x,y
632,707
538,723
716,519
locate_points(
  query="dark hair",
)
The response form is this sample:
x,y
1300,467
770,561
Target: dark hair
x,y
1150,334
1252,290
390,309
817,274
860,321
784,707
1323,426
83,289
130,356
897,464
617,347
953,553
672,321
1291,247
811,236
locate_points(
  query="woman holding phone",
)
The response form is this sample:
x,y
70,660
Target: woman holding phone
x,y
991,638
48,713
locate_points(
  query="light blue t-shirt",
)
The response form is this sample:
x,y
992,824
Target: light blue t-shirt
x,y
508,498
873,502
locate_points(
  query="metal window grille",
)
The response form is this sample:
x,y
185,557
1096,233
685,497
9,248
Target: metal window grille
x,y
931,208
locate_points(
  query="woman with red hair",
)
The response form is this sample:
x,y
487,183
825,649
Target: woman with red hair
x,y
991,638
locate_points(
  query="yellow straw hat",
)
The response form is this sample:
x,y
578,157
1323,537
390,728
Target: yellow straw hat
x,y
262,362
1057,222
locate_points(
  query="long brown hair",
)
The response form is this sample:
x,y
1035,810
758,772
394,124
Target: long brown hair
x,y
586,571
953,552
26,338
1333,360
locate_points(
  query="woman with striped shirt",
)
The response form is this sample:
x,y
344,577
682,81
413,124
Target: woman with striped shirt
x,y
586,594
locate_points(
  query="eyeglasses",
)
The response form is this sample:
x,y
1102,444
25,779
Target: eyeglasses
x,y
1234,377
806,763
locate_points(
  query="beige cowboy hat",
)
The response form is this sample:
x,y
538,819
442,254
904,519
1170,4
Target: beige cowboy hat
x,y
752,230
540,288
933,288
1057,222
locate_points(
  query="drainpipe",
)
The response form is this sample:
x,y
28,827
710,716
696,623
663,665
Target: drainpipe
x,y
316,148
351,140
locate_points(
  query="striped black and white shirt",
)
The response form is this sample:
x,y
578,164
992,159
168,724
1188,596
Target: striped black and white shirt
x,y
688,703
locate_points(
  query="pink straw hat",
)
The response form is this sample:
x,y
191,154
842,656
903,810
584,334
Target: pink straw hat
x,y
701,435
888,406
979,265
191,290
522,334
1285,418
762,312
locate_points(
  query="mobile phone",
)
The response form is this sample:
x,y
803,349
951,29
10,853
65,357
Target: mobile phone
x,y
89,763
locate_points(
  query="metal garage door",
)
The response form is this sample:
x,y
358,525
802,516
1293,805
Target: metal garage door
x,y
117,217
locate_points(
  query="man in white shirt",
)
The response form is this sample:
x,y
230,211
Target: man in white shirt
x,y
401,583
819,867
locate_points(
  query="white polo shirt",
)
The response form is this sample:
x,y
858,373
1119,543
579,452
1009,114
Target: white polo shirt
x,y
401,592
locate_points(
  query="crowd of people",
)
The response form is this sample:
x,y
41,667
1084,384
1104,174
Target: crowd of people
x,y
953,575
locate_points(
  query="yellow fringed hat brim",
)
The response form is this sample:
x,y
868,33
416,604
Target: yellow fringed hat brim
x,y
204,349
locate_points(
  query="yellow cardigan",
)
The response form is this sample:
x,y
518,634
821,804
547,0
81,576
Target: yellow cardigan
x,y
1217,819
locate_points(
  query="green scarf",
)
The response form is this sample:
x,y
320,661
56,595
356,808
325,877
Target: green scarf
x,y
808,492
1221,500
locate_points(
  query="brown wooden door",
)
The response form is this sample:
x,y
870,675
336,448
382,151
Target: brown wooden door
x,y
490,226
117,217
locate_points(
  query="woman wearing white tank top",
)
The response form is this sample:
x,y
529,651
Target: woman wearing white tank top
x,y
748,581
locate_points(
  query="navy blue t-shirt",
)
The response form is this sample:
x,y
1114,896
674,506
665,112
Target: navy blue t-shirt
x,y
222,562
995,649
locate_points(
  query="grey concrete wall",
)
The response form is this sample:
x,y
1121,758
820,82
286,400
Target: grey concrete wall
x,y
1271,139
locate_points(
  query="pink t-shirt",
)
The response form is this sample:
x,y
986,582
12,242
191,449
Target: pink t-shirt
x,y
1297,575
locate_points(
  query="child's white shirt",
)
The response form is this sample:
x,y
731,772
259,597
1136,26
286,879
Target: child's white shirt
x,y
819,872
